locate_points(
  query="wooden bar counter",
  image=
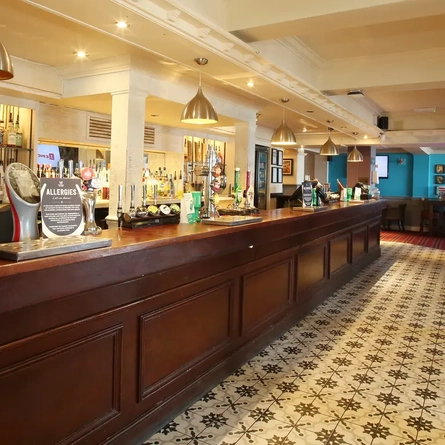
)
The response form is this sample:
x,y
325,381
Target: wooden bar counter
x,y
104,346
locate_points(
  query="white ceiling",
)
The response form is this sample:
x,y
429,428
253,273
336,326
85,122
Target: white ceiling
x,y
330,39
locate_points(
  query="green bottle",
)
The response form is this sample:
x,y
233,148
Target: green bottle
x,y
238,191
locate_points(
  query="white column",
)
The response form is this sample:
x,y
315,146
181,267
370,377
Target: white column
x,y
127,147
245,149
300,166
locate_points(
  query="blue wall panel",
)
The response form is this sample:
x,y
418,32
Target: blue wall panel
x,y
338,170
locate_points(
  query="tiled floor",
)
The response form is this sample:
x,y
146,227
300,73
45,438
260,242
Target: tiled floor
x,y
366,367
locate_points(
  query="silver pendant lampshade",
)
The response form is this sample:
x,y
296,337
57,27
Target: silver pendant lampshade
x,y
355,156
6,68
283,136
329,148
199,110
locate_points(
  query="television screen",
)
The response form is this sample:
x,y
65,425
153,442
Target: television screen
x,y
381,166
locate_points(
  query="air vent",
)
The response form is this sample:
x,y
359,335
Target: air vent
x,y
99,128
149,135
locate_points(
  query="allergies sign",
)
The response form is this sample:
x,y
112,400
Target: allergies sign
x,y
61,207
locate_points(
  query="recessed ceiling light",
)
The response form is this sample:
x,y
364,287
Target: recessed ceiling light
x,y
355,133
122,24
284,100
365,136
329,121
309,111
343,127
154,115
304,130
250,83
80,54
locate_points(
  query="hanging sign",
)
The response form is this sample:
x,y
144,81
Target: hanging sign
x,y
61,207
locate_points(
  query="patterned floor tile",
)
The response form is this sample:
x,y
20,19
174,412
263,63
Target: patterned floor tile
x,y
367,367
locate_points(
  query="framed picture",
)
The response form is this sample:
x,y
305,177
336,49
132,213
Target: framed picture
x,y
280,175
274,156
280,157
439,179
274,175
440,169
288,167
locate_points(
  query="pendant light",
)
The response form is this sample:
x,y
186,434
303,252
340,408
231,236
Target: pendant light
x,y
329,148
6,68
283,136
199,110
355,155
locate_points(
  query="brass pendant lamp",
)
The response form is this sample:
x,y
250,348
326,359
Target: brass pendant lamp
x,y
199,110
283,136
6,68
329,148
355,155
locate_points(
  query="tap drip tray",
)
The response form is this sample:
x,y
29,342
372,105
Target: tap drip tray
x,y
230,220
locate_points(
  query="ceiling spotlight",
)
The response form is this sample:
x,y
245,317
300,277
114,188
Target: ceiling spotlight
x,y
309,111
122,24
80,54
250,84
355,133
329,121
304,130
365,136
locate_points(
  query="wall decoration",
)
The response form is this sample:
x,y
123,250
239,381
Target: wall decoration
x,y
280,158
381,166
274,175
288,167
439,168
280,175
274,157
439,179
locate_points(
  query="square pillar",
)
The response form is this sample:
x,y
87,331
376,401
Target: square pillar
x,y
127,147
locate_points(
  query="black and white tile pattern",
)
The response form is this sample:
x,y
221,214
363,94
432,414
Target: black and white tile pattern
x,y
367,367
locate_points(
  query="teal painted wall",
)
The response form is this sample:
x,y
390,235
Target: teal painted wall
x,y
415,177
400,177
338,170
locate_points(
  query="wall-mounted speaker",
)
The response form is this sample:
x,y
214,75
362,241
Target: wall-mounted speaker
x,y
382,122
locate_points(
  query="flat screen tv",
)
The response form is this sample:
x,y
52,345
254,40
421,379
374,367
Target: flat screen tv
x,y
381,166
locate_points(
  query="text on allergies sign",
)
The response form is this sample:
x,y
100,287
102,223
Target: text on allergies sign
x,y
61,207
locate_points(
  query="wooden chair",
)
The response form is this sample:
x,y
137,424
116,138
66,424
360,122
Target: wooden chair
x,y
397,214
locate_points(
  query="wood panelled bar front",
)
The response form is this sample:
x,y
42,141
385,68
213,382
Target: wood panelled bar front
x,y
104,346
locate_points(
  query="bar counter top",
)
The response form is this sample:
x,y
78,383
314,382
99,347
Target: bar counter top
x,y
129,240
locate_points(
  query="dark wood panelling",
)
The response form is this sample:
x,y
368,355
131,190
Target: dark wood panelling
x,y
181,334
265,292
359,242
339,253
311,268
63,393
374,235
165,315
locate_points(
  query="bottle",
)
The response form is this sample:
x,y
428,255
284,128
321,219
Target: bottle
x,y
171,192
18,133
10,133
2,132
314,197
2,182
238,190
